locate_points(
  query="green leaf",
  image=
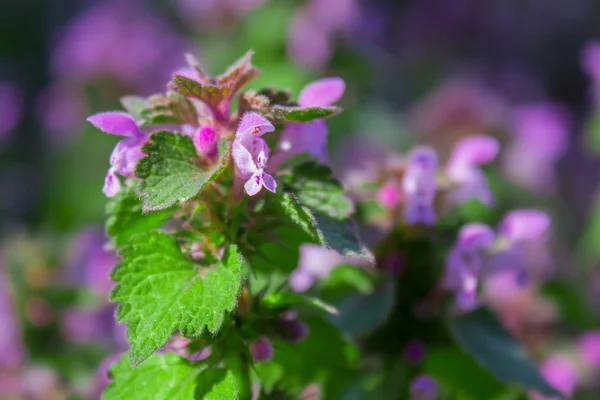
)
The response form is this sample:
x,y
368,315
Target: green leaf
x,y
238,75
159,290
282,114
314,188
341,236
171,108
207,93
324,357
134,105
126,218
171,172
459,375
283,300
168,376
482,336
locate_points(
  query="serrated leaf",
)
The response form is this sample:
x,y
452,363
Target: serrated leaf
x,y
207,93
282,114
481,335
126,218
159,290
314,188
134,105
171,108
282,300
168,376
171,172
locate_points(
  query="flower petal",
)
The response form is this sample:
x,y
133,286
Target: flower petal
x,y
116,123
269,183
254,184
476,235
244,164
300,280
322,93
524,225
473,151
125,156
252,123
112,185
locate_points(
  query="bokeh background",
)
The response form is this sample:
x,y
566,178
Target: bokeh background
x,y
417,71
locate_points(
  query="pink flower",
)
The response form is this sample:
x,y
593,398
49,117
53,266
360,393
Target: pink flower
x,y
126,153
561,373
262,349
463,169
310,137
206,142
251,153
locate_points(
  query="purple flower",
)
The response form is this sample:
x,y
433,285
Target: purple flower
x,y
310,137
314,262
480,253
423,387
561,373
463,169
12,352
590,60
251,153
126,153
588,348
389,195
419,186
290,328
11,104
81,324
102,378
262,349
414,351
540,133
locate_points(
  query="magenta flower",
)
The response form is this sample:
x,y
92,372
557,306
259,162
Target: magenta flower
x,y
588,348
310,137
389,195
126,153
561,373
251,153
463,169
206,142
419,186
423,387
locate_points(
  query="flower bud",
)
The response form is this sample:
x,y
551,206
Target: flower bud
x,y
206,142
414,351
292,330
423,387
261,349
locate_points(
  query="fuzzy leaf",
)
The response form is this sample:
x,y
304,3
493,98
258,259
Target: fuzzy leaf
x,y
282,114
134,105
170,171
238,75
171,108
159,290
207,93
316,189
126,218
481,335
168,376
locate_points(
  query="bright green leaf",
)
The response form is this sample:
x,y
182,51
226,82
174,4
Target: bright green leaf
x,y
168,376
159,290
282,300
126,218
482,336
281,114
171,172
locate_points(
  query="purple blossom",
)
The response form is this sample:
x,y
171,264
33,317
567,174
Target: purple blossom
x,y
588,348
561,373
423,387
12,352
206,14
126,153
590,60
261,349
102,378
251,153
463,171
290,328
310,137
419,186
315,262
540,134
414,351
61,108
389,195
480,253
11,108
